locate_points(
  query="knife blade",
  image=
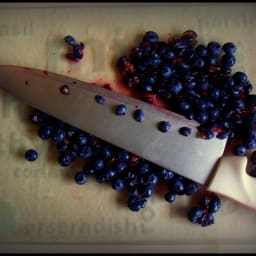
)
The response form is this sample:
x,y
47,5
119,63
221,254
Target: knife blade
x,y
198,159
190,156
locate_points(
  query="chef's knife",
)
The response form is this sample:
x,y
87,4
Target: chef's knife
x,y
192,157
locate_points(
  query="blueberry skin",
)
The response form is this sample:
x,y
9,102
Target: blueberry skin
x,y
99,99
80,178
239,150
139,115
164,126
121,110
185,131
31,155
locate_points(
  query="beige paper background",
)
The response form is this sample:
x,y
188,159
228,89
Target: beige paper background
x,y
39,202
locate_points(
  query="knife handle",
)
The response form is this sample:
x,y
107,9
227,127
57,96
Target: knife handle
x,y
231,180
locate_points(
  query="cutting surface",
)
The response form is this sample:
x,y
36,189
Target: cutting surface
x,y
39,201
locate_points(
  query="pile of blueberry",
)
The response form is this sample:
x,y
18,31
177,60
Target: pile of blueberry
x,y
108,163
194,80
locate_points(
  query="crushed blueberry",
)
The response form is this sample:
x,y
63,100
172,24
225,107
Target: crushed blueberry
x,y
77,49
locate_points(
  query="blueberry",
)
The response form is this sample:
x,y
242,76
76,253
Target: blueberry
x,y
64,89
151,36
170,197
60,135
240,77
81,139
195,214
31,155
122,155
207,219
121,110
175,87
70,40
212,61
214,48
166,72
139,115
135,203
228,60
106,153
98,164
214,204
229,48
65,159
177,186
185,131
85,152
46,132
164,126
199,62
201,50
99,99
120,167
80,178
239,150
185,105
143,167
190,188
202,116
150,179
146,191
110,173
118,184
39,117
